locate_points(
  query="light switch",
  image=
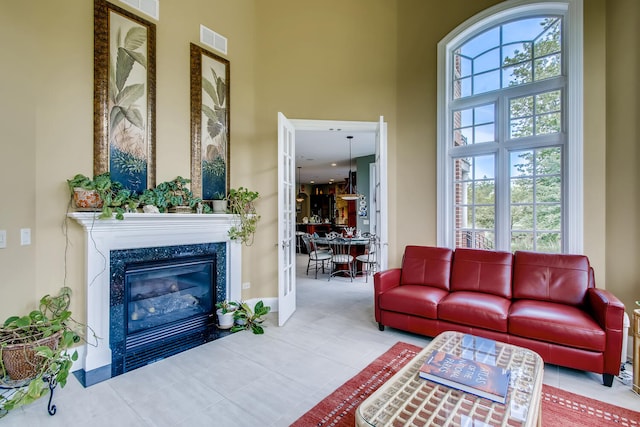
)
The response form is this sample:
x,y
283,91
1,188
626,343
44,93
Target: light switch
x,y
3,239
25,236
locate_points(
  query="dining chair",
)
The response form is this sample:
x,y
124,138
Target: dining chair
x,y
299,235
320,243
369,259
342,262
319,258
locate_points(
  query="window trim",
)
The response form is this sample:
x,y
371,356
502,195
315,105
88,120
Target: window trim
x,y
573,159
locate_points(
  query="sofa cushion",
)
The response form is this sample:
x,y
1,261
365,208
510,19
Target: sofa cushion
x,y
426,265
416,300
556,323
475,309
483,271
557,278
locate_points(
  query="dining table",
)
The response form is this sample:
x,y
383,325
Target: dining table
x,y
358,247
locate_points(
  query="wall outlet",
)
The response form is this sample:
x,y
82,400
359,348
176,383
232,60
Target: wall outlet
x,y
3,239
25,236
246,285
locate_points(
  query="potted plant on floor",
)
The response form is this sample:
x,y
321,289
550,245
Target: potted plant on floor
x,y
242,204
35,351
225,312
248,319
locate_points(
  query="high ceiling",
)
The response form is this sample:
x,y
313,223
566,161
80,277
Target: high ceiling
x,y
316,150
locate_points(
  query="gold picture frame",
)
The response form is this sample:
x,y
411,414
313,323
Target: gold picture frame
x,y
124,97
210,124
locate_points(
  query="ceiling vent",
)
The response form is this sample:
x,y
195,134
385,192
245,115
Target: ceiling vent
x,y
213,39
148,7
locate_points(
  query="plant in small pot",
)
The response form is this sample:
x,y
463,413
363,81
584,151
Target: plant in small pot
x,y
101,193
173,196
219,203
242,204
225,312
246,318
35,351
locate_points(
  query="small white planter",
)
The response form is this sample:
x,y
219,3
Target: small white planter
x,y
219,206
225,320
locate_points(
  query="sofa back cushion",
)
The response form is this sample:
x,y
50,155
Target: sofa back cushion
x,y
426,265
480,270
557,278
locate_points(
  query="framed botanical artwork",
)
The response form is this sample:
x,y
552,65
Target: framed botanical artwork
x,y
210,124
124,96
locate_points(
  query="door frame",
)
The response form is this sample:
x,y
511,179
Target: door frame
x,y
373,127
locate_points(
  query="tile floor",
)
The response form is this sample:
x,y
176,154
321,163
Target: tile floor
x,y
269,380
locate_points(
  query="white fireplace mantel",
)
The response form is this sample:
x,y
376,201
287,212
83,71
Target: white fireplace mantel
x,y
142,230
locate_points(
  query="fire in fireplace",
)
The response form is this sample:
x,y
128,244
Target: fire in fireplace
x,y
163,305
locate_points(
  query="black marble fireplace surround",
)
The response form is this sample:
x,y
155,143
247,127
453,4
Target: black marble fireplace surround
x,y
150,238
166,311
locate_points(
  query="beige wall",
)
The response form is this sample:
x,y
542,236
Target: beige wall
x,y
330,60
418,35
622,154
338,60
47,127
18,110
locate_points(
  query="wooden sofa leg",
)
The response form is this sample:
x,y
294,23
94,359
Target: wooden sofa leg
x,y
380,327
607,379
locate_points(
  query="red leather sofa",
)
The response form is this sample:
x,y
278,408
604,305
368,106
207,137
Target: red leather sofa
x,y
545,302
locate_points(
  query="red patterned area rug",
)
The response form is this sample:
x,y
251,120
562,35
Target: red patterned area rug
x,y
559,408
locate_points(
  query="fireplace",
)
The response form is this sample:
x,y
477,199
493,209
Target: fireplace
x,y
162,302
142,298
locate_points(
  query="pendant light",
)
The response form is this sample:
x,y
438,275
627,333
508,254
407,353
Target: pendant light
x,y
351,195
300,196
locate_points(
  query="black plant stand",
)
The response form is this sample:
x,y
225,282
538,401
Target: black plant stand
x,y
10,387
53,383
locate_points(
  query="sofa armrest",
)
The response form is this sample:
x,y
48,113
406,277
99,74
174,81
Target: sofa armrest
x,y
606,308
608,311
385,280
382,282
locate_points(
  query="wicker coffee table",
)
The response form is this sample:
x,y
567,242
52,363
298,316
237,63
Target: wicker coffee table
x,y
408,400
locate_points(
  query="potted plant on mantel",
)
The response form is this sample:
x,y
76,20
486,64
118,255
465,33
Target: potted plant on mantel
x,y
242,204
35,351
219,203
101,194
172,196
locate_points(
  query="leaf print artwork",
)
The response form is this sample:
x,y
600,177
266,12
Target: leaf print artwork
x,y
128,145
214,127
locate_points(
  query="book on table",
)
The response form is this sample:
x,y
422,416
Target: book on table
x,y
470,376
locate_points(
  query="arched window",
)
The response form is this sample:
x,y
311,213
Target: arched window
x,y
510,129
